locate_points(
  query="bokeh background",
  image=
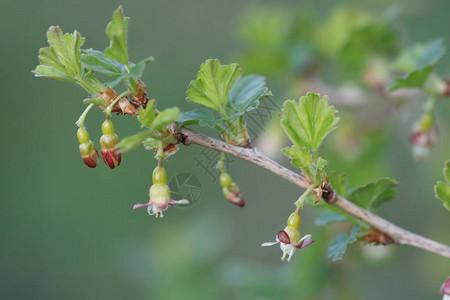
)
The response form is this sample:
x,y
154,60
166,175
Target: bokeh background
x,y
68,232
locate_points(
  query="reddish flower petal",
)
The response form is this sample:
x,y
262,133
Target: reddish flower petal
x,y
112,157
283,237
304,243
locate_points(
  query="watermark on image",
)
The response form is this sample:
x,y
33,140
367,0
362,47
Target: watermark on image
x,y
186,186
256,121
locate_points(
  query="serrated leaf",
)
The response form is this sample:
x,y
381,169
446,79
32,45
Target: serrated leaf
x,y
442,192
62,60
147,116
98,62
321,164
308,121
299,158
340,242
117,31
246,93
200,117
338,182
164,118
329,217
423,66
372,194
213,84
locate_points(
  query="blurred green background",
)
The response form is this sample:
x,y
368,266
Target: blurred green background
x,y
68,232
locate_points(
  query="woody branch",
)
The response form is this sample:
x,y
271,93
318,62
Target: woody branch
x,y
398,234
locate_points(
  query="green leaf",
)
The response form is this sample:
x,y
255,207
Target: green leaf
x,y
300,158
446,171
200,117
442,192
131,142
334,31
321,164
340,242
246,93
338,182
372,194
117,31
62,60
147,116
164,118
97,61
329,217
374,40
423,66
309,121
213,84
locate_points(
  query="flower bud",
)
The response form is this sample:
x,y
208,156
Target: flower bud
x,y
89,154
108,143
230,190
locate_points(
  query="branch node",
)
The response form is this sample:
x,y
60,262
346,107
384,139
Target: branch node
x,y
328,194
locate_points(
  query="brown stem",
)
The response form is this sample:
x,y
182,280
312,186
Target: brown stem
x,y
398,234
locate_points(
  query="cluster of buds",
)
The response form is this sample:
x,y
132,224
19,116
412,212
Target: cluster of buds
x,y
108,143
425,136
159,194
89,154
290,238
230,190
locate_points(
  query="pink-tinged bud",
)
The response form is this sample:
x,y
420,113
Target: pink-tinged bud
x,y
231,190
233,195
445,289
91,159
423,141
89,154
112,158
108,143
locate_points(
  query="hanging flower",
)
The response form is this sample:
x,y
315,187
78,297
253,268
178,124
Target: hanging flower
x,y
159,195
290,238
230,190
88,153
108,143
424,137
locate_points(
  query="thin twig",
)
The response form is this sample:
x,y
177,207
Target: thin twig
x,y
398,234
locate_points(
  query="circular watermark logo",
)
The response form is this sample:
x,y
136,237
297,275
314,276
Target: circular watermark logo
x,y
185,186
